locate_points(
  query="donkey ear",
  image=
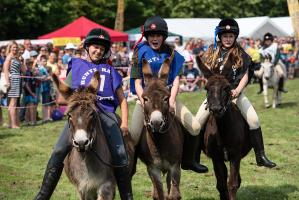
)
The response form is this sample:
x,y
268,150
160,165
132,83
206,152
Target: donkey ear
x,y
147,71
64,89
203,68
164,70
95,82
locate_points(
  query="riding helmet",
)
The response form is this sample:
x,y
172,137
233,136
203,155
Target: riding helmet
x,y
228,25
268,36
98,36
156,25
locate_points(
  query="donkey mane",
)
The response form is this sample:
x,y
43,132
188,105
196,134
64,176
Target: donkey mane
x,y
217,78
156,85
83,97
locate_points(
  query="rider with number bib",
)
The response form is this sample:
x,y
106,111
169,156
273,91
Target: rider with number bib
x,y
97,45
216,56
155,50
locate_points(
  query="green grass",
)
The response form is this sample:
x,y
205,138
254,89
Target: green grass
x,y
24,154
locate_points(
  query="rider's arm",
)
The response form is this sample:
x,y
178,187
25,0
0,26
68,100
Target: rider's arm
x,y
139,89
124,110
174,91
241,85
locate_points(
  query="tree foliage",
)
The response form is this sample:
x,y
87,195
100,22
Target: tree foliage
x,y
31,18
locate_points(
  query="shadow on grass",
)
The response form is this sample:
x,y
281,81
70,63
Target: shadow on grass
x,y
7,135
261,192
267,192
288,105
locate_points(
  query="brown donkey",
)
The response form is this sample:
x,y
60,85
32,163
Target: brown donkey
x,y
88,164
226,136
161,143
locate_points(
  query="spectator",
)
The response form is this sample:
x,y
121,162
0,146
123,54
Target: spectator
x,y
28,48
69,51
52,62
115,57
178,45
190,78
12,66
30,95
45,89
2,54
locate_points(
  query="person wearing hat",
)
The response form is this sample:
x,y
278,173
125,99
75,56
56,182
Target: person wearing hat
x,y
97,46
271,48
227,32
155,50
69,51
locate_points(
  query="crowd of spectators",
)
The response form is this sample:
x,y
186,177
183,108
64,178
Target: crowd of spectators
x,y
28,69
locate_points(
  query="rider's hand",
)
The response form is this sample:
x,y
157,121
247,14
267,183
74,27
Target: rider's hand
x,y
124,128
171,104
235,93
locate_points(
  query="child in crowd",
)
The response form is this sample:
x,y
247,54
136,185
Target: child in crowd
x,y
45,89
30,96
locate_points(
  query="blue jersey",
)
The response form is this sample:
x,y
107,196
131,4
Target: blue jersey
x,y
82,72
155,59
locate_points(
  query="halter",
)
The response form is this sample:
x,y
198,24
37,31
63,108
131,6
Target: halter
x,y
94,139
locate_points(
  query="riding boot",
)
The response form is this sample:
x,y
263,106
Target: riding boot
x,y
191,155
50,181
261,86
124,185
281,85
256,139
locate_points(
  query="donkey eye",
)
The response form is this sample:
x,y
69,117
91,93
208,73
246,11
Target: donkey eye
x,y
165,99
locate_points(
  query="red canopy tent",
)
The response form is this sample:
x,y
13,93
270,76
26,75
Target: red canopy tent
x,y
80,28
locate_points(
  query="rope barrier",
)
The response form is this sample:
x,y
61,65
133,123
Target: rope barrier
x,y
44,104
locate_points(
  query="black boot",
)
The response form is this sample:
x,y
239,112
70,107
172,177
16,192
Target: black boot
x,y
124,185
281,85
256,139
191,155
50,181
261,86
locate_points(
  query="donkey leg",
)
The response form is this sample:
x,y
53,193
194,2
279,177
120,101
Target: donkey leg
x,y
234,179
175,177
155,175
221,176
265,93
106,191
274,97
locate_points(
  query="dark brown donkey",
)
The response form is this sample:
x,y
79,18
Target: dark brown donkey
x,y
161,143
226,136
88,164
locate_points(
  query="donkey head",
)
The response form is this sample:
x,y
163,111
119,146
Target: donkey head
x,y
218,87
156,96
267,66
82,111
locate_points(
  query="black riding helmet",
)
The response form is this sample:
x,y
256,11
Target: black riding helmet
x,y
268,36
228,25
156,25
100,37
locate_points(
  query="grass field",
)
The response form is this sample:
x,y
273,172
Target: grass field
x,y
24,154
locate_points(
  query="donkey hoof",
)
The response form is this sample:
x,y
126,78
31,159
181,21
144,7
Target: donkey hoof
x,y
267,106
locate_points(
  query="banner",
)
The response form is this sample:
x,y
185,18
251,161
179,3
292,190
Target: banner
x,y
293,6
62,41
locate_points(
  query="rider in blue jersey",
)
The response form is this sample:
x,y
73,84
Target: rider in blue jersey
x,y
155,50
110,96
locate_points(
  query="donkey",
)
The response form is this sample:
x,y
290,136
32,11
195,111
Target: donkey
x,y
270,78
88,164
226,135
161,143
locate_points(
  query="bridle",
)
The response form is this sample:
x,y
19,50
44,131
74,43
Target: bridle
x,y
97,119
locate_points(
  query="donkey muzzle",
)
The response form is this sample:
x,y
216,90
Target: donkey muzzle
x,y
82,145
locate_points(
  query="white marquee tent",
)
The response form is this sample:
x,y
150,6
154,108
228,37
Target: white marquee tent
x,y
254,27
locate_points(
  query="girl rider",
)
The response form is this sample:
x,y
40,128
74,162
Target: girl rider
x,y
155,51
228,31
97,45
